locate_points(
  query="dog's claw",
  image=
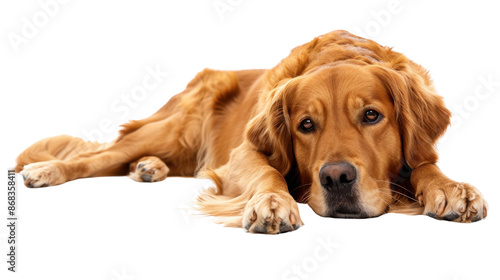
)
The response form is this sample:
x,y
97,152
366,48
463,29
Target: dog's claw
x,y
271,213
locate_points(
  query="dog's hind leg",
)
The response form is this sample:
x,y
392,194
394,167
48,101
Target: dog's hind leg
x,y
173,136
60,147
111,161
154,145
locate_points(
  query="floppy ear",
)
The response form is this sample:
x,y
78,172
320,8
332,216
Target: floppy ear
x,y
269,131
420,112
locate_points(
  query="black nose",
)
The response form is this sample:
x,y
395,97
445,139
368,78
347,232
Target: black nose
x,y
339,176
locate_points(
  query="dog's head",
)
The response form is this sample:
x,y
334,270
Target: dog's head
x,y
346,127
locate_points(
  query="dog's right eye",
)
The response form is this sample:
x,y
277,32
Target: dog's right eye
x,y
306,126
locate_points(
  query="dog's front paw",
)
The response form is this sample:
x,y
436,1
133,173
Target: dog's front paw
x,y
271,213
149,169
453,201
43,174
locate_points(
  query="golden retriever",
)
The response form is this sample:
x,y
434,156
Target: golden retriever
x,y
342,124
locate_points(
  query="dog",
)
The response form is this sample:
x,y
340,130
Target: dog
x,y
343,124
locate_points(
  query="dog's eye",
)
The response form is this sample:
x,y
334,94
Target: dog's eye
x,y
306,126
372,116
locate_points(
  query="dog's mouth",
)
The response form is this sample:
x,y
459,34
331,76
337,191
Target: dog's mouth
x,y
346,211
344,204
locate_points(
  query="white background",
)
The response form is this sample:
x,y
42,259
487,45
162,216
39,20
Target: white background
x,y
69,77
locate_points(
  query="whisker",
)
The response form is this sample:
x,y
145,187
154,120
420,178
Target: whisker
x,y
388,204
407,196
393,197
306,196
392,205
400,193
394,184
304,185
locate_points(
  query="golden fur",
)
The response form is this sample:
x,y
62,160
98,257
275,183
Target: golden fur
x,y
339,106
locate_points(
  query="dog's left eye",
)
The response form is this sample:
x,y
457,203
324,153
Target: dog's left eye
x,y
372,116
306,126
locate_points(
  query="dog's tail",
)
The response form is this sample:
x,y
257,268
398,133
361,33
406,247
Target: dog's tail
x,y
56,148
226,209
